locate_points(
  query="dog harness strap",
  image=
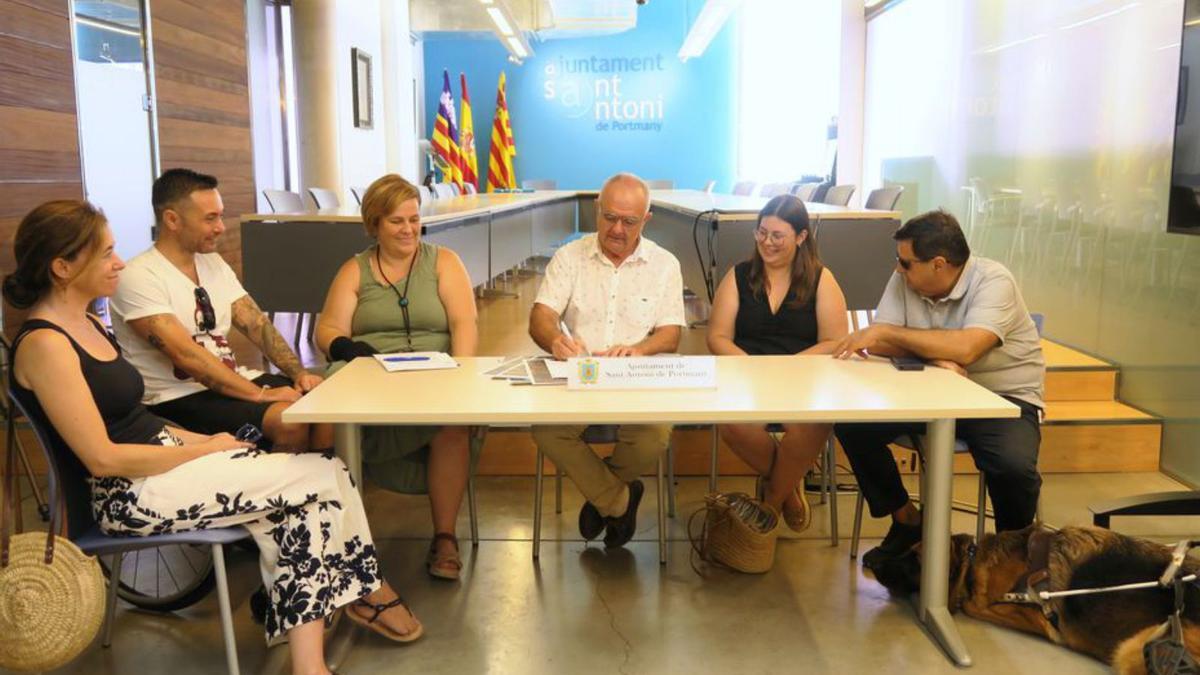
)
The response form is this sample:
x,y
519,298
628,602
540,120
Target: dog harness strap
x,y
1036,578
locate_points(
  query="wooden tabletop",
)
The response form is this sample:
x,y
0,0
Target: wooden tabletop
x,y
687,202
749,389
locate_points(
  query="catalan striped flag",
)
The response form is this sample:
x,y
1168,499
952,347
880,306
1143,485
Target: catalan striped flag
x,y
470,166
445,134
500,157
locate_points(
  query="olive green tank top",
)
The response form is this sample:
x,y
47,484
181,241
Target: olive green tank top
x,y
378,318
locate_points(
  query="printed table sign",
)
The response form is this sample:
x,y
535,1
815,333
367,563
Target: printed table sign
x,y
649,372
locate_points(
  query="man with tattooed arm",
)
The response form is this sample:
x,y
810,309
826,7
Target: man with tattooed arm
x,y
172,314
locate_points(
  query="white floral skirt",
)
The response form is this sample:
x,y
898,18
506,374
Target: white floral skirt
x,y
302,510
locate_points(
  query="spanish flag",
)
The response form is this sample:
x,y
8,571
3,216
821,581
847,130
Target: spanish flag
x,y
445,134
470,167
500,163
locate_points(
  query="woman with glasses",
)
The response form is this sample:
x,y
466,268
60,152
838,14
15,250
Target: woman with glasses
x,y
780,301
148,477
405,295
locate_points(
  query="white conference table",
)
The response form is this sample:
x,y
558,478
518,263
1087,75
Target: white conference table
x,y
749,389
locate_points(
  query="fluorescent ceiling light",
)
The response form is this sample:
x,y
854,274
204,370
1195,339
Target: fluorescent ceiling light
x,y
502,23
104,25
712,17
486,2
517,48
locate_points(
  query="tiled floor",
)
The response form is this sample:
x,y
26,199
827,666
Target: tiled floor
x,y
586,610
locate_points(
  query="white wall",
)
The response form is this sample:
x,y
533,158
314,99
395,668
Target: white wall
x,y
850,98
399,90
363,152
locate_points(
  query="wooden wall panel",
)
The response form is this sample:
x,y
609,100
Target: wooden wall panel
x,y
39,140
201,79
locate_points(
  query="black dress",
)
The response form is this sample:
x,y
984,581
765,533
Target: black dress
x,y
757,330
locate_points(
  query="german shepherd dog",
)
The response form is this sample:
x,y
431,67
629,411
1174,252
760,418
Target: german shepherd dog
x,y
1112,627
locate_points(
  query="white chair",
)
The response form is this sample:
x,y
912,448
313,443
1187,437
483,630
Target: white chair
x,y
838,195
772,189
470,188
744,188
710,186
324,198
884,198
426,194
805,191
282,201
443,191
357,193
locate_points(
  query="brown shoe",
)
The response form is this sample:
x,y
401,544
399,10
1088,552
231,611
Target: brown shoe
x,y
797,519
444,566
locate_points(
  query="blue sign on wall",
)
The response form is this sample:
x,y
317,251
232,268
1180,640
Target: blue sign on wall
x,y
584,109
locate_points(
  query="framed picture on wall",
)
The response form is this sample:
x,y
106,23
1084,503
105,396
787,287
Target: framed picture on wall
x,y
361,64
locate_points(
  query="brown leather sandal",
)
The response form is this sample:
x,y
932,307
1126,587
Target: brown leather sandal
x,y
380,628
444,566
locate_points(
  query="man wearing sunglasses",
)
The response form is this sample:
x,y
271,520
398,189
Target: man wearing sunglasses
x,y
614,293
964,313
172,314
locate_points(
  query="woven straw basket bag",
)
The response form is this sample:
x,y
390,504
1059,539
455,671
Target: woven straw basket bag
x,y
739,532
51,594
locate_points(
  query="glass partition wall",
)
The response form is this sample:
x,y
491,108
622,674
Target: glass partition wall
x,y
1046,128
116,119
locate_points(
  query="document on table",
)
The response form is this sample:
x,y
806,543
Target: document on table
x,y
509,369
416,361
546,371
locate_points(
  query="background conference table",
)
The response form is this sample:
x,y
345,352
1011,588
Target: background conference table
x,y
289,259
749,389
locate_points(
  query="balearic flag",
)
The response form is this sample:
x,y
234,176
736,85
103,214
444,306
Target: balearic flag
x,y
470,166
445,134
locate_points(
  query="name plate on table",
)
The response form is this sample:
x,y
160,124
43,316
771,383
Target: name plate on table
x,y
654,372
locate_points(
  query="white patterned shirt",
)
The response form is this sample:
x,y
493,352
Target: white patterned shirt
x,y
605,305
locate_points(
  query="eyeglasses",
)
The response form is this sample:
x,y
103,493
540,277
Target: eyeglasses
x,y
776,237
907,264
627,221
206,317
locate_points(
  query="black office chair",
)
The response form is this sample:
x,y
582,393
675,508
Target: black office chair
x,y
884,198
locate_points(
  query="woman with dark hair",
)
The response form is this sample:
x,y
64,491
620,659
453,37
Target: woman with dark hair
x,y
780,301
148,477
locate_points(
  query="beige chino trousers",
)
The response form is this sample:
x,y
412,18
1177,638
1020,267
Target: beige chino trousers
x,y
638,447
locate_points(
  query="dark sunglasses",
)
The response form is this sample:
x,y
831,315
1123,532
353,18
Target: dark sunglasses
x,y
907,264
206,317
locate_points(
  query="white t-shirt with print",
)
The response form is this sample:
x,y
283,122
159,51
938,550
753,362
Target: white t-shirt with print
x,y
150,284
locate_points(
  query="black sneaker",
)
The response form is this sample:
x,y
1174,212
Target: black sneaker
x,y
900,538
591,523
622,528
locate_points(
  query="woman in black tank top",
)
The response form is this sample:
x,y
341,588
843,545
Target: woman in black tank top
x,y
146,477
782,301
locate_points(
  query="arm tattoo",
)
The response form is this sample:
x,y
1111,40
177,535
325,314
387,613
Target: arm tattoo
x,y
253,323
155,341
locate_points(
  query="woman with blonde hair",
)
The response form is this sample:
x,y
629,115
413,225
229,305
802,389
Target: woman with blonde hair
x,y
403,294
